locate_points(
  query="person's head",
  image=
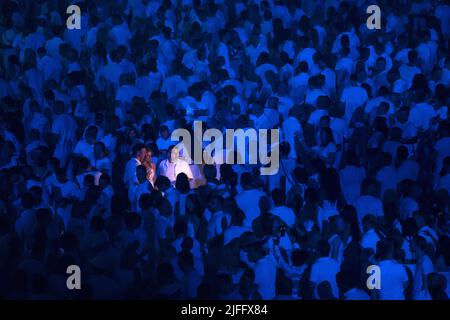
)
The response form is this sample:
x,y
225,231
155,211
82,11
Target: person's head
x,y
380,64
246,181
99,150
324,122
215,204
224,284
403,114
369,222
180,229
61,175
264,204
164,132
104,181
326,136
91,134
97,224
437,285
412,57
278,197
246,282
182,183
324,291
420,220
345,281
164,207
419,246
402,153
139,151
385,250
210,172
88,181
323,248
173,154
162,183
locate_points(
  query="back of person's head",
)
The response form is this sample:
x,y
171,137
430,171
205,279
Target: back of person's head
x,y
369,222
324,291
437,286
187,244
412,56
285,148
137,148
303,67
104,180
402,153
345,281
323,248
385,250
162,183
300,175
27,200
88,181
97,224
278,197
145,201
264,204
180,228
299,257
182,183
210,172
246,180
215,203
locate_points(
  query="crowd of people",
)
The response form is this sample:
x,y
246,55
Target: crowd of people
x,y
89,174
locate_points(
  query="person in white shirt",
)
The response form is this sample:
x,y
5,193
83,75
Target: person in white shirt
x,y
219,220
368,202
164,141
101,162
370,237
351,177
394,278
265,267
174,165
324,269
285,213
424,266
248,199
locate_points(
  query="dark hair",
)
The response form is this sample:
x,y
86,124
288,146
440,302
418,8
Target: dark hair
x,y
182,183
323,248
137,148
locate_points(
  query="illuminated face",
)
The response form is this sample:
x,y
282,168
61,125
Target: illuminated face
x,y
174,154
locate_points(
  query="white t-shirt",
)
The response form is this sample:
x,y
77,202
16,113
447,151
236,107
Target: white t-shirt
x,y
265,276
325,269
351,178
172,170
393,275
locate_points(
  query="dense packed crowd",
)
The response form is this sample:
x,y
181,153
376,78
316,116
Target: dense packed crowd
x,y
89,175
